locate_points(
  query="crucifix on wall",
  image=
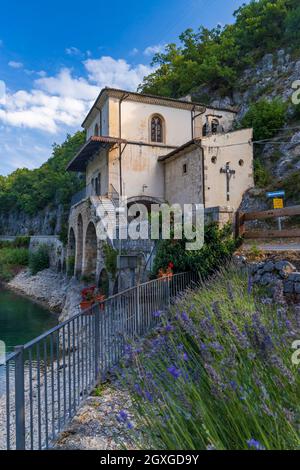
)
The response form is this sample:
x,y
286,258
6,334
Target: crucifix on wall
x,y
229,172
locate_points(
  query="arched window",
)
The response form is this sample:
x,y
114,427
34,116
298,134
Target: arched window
x,y
214,126
204,130
157,129
96,131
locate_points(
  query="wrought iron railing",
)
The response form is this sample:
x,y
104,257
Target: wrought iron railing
x,y
48,378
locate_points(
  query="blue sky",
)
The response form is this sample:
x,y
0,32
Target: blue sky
x,y
56,56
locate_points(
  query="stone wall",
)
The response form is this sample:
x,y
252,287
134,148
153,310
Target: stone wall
x,y
280,278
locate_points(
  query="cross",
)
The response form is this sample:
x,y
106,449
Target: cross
x,y
229,174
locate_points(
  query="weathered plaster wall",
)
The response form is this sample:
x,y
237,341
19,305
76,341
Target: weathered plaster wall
x,y
102,119
233,147
99,164
184,188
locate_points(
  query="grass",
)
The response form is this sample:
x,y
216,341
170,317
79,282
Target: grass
x,y
218,373
11,260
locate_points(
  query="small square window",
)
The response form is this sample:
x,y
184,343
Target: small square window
x,y
184,168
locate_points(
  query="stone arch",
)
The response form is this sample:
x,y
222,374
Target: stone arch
x,y
90,251
79,248
103,283
71,252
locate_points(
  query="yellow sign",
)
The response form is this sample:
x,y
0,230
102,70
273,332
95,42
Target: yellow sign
x,y
278,203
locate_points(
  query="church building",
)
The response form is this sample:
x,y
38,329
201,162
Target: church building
x,y
154,149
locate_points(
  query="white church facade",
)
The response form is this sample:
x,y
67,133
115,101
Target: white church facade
x,y
155,149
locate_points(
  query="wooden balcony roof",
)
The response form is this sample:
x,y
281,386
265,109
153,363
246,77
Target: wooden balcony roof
x,y
88,150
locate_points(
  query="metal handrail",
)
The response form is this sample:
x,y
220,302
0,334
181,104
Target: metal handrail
x,y
49,377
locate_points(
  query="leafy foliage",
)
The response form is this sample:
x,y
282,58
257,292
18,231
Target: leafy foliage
x,y
266,117
11,260
215,57
110,255
32,190
218,246
262,176
39,259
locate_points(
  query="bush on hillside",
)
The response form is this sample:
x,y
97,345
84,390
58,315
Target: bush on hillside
x,y
215,57
266,118
39,259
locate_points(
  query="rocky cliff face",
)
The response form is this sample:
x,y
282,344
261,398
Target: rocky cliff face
x,y
50,221
271,78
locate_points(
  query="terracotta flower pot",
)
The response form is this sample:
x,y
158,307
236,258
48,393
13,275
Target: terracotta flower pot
x,y
86,304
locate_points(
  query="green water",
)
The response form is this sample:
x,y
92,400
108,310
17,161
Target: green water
x,y
21,320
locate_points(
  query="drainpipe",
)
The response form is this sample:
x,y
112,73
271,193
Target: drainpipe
x,y
120,136
203,176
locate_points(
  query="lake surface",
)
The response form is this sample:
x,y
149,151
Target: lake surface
x,y
21,320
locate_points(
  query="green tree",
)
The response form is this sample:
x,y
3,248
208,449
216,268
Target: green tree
x,y
266,118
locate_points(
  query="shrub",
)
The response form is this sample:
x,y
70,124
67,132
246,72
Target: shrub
x,y
218,246
11,259
39,259
262,176
22,242
217,374
266,117
110,255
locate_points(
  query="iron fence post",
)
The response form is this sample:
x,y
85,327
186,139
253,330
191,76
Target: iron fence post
x,y
97,341
138,309
20,398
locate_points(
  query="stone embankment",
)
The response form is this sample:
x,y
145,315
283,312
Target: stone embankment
x,y
280,278
54,290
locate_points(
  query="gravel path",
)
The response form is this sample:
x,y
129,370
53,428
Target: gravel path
x,y
96,425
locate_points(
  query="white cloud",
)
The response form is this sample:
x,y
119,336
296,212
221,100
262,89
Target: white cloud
x,y
73,51
2,92
41,73
107,71
22,151
65,85
134,51
151,50
15,65
59,103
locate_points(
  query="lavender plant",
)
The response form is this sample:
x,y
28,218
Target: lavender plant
x,y
217,373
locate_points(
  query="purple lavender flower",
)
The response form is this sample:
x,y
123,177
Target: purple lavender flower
x,y
184,316
217,346
138,389
169,328
185,357
149,396
176,373
157,314
123,416
253,444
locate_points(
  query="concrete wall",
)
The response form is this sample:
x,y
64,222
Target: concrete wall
x,y
225,119
102,119
136,119
99,164
184,188
235,148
